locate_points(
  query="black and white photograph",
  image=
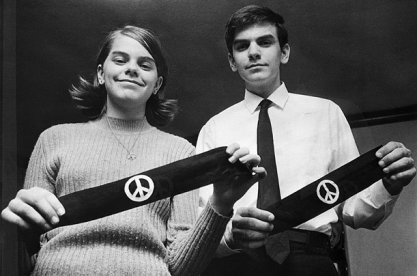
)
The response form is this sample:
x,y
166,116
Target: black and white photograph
x,y
209,138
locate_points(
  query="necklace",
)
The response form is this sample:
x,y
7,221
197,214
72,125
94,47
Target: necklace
x,y
130,155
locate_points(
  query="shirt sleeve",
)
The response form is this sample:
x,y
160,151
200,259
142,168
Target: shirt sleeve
x,y
369,208
205,142
206,138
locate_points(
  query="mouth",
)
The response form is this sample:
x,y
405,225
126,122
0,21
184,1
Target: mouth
x,y
131,81
255,65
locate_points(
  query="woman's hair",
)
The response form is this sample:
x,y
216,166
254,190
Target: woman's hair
x,y
90,97
252,15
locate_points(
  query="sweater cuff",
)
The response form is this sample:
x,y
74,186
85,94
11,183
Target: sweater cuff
x,y
223,216
209,214
214,223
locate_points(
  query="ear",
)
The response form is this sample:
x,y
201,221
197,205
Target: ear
x,y
232,62
158,84
100,76
285,53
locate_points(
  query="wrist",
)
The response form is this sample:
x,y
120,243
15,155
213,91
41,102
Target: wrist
x,y
392,189
220,206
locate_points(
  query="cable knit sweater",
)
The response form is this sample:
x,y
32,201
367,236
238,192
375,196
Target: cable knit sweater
x,y
161,238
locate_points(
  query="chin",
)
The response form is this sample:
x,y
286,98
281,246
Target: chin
x,y
258,80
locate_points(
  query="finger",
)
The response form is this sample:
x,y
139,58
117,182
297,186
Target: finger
x,y
403,164
243,244
44,202
394,155
387,148
404,177
246,223
248,235
255,213
56,204
12,218
232,148
238,154
28,214
251,160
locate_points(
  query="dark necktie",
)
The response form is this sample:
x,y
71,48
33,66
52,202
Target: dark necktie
x,y
268,192
277,246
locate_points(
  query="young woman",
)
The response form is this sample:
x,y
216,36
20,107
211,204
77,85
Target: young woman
x,y
124,104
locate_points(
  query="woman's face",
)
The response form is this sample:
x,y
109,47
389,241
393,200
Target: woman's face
x,y
130,76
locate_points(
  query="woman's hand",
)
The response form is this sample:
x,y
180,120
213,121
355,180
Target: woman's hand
x,y
227,192
33,208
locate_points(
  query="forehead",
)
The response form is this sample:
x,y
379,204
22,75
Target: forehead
x,y
126,44
255,31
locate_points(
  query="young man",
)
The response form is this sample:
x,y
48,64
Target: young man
x,y
311,138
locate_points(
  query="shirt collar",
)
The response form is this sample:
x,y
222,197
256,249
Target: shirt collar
x,y
279,97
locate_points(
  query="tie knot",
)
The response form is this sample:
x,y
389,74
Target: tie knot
x,y
264,104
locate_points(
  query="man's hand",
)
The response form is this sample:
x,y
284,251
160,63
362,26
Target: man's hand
x,y
227,192
250,228
31,208
397,162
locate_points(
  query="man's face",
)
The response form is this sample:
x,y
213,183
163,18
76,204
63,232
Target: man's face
x,y
257,56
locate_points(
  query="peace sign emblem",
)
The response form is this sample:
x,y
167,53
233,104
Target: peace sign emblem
x,y
330,191
142,189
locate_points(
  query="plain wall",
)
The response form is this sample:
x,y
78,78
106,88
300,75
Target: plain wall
x,y
392,248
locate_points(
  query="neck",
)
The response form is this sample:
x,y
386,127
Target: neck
x,y
134,113
124,125
263,90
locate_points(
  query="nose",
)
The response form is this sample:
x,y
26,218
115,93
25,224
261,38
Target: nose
x,y
254,52
132,69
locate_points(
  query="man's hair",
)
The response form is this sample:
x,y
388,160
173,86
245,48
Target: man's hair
x,y
251,15
90,96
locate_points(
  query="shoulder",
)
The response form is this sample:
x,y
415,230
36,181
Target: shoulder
x,y
174,144
230,111
63,129
172,138
307,100
82,129
230,114
56,136
308,103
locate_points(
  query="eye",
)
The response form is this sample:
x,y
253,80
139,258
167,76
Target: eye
x,y
265,43
119,60
147,66
241,46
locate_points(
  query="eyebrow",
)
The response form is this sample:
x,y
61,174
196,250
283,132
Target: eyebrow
x,y
268,36
144,58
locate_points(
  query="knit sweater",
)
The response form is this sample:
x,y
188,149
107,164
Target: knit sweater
x,y
160,238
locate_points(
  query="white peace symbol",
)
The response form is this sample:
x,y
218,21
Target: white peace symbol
x,y
330,197
144,193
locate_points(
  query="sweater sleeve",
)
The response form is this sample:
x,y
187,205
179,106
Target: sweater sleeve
x,y
191,246
192,242
38,173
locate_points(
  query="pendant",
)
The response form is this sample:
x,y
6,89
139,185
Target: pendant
x,y
131,156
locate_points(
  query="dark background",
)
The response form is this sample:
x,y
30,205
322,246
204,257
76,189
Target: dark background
x,y
361,54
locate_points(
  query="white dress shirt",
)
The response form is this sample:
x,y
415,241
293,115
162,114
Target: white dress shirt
x,y
311,139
